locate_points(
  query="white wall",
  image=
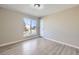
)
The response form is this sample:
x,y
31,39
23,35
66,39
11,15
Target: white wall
x,y
11,26
62,26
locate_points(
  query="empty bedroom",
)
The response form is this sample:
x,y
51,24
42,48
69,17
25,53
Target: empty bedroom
x,y
39,29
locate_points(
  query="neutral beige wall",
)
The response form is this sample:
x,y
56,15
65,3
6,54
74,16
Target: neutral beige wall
x,y
62,26
11,26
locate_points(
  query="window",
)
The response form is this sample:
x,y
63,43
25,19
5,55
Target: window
x,y
29,27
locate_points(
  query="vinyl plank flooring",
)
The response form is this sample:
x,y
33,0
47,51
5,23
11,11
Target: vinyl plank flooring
x,y
38,46
68,51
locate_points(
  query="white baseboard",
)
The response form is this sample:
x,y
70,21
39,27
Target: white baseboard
x,y
9,43
62,42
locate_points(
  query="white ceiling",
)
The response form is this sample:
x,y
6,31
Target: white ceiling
x,y
28,9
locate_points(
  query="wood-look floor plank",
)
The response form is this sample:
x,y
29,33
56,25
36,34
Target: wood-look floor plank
x,y
38,46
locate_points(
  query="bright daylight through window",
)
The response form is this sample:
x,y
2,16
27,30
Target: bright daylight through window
x,y
29,26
